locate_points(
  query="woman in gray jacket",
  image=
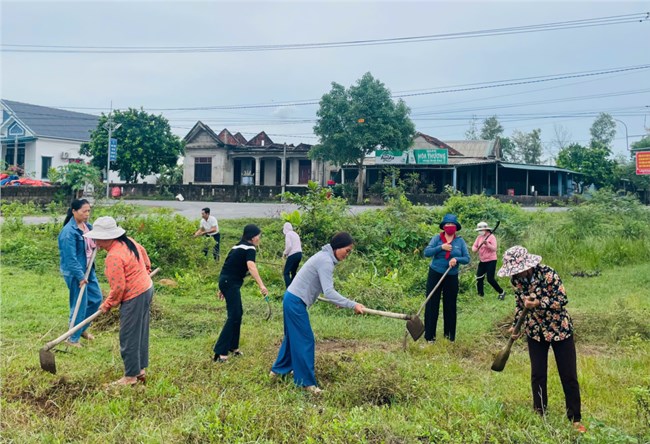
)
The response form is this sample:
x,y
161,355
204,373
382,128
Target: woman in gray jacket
x,y
297,352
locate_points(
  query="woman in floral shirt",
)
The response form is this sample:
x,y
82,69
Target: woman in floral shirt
x,y
539,289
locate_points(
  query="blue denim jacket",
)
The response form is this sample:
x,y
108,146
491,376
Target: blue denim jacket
x,y
72,251
439,263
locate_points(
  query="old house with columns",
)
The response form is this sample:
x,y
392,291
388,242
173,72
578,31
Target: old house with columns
x,y
227,159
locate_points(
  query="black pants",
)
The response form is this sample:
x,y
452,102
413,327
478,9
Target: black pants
x,y
487,269
449,290
229,337
216,248
291,267
565,357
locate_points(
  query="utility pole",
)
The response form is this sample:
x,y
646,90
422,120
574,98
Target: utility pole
x,y
627,142
110,126
283,171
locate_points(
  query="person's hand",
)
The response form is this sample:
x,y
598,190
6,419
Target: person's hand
x,y
446,247
514,335
82,282
264,290
531,303
220,295
358,308
453,262
104,309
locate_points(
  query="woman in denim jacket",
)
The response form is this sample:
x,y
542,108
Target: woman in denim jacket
x,y
75,251
447,250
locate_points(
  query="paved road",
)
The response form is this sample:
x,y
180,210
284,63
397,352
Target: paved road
x,y
229,210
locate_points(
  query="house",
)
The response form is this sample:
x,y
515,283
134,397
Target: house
x,y
227,159
470,166
36,138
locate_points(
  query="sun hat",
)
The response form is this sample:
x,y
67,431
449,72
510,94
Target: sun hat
x,y
517,259
481,226
450,219
105,228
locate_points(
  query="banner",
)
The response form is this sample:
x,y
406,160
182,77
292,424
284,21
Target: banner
x,y
430,157
642,162
384,157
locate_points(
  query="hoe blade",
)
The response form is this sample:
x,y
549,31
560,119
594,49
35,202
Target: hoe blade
x,y
47,361
415,327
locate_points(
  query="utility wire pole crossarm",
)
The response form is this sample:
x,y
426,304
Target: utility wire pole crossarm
x,y
110,126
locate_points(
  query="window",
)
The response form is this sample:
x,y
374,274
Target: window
x,y
203,169
46,164
9,156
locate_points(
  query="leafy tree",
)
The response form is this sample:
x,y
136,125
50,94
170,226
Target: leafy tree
x,y
528,146
145,144
603,130
472,131
491,128
593,162
643,143
352,123
508,149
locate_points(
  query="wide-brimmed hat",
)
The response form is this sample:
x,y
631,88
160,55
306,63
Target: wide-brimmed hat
x,y
481,226
105,228
517,259
450,219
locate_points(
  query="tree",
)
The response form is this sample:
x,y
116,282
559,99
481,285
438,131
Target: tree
x,y
75,177
145,144
352,123
508,149
491,128
528,146
603,130
592,162
643,143
472,131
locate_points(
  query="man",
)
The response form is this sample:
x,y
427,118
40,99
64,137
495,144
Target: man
x,y
209,227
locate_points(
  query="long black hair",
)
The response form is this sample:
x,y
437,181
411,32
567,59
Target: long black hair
x,y
76,206
129,243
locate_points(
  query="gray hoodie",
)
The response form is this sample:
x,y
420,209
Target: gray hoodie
x,y
316,277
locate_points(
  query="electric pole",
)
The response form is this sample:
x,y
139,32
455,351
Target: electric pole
x,y
110,126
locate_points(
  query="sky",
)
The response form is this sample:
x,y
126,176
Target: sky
x,y
445,82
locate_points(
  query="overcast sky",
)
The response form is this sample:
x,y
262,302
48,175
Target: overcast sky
x,y
88,82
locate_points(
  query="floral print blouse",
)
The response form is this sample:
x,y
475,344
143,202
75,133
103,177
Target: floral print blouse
x,y
550,321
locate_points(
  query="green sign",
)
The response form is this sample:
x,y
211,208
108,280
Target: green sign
x,y
430,157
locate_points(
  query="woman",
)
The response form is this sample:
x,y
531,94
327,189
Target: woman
x,y
240,260
539,288
447,250
292,251
75,252
127,269
315,277
486,245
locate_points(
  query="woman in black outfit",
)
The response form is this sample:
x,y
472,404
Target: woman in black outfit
x,y
240,260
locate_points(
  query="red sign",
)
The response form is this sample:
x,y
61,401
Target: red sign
x,y
642,162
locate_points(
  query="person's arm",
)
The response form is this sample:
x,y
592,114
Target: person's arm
x,y
476,244
325,276
68,247
252,268
519,306
214,227
287,244
434,247
114,272
490,244
145,258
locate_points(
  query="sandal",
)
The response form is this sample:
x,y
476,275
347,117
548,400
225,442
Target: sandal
x,y
142,377
88,336
73,344
219,359
578,427
314,390
123,382
237,352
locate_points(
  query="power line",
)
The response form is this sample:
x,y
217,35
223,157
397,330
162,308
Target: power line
x,y
553,26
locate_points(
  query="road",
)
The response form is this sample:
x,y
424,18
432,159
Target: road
x,y
229,210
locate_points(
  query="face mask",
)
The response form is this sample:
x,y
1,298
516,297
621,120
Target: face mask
x,y
450,230
482,233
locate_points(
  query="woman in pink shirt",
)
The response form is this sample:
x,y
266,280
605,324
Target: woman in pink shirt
x,y
486,245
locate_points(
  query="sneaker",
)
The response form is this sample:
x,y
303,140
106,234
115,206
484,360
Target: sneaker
x,y
502,296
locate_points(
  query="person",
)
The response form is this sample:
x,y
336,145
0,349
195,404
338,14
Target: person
x,y
292,251
127,267
240,260
75,252
446,250
547,324
209,227
297,352
486,245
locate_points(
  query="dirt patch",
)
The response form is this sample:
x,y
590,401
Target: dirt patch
x,y
52,401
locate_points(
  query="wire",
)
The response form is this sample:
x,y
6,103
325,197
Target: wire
x,y
553,26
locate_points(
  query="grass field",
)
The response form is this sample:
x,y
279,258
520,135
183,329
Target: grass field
x,y
373,391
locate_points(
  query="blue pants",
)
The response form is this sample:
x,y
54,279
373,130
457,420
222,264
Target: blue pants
x,y
92,299
297,351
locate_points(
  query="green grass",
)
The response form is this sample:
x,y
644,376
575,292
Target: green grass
x,y
374,392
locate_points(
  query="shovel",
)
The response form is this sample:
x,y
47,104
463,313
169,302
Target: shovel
x,y
46,356
502,357
82,289
413,324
